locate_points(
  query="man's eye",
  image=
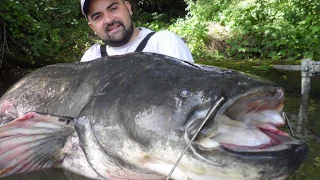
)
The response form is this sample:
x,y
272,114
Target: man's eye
x,y
95,18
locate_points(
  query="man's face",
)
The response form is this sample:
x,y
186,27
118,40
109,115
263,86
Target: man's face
x,y
111,20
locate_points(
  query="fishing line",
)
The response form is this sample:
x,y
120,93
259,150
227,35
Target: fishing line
x,y
194,136
284,115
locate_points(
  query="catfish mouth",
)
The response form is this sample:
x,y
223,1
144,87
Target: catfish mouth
x,y
247,123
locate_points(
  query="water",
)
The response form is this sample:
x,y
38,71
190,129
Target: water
x,y
304,120
306,125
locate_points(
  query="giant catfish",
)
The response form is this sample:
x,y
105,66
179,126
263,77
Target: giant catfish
x,y
146,116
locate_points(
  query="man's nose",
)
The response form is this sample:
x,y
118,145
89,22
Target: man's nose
x,y
107,18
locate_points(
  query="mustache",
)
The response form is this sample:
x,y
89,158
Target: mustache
x,y
113,23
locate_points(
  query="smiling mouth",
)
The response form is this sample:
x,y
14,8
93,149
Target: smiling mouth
x,y
113,27
248,124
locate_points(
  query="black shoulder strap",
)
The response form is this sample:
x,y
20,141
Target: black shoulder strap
x,y
103,50
144,42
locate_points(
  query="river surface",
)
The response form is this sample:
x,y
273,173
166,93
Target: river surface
x,y
305,122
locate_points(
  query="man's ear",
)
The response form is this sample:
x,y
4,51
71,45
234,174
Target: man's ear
x,y
128,5
90,25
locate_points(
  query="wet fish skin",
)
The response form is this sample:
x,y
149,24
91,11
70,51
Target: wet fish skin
x,y
131,113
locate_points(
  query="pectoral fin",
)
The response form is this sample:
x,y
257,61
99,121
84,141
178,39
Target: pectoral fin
x,y
33,142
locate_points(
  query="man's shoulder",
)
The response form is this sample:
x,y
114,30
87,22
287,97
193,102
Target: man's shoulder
x,y
94,46
92,53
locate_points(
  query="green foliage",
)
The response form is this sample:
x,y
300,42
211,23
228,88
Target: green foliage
x,y
50,31
154,21
317,161
193,30
207,10
169,8
190,28
287,29
44,31
274,29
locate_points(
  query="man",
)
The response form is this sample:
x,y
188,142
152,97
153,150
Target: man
x,y
111,20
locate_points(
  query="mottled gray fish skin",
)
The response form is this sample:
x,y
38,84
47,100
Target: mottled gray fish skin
x,y
134,114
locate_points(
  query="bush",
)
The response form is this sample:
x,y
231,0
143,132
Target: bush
x,y
274,29
44,31
190,28
287,29
193,30
49,31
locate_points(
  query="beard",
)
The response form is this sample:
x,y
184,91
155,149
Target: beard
x,y
123,37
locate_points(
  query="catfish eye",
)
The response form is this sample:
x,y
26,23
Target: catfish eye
x,y
185,93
